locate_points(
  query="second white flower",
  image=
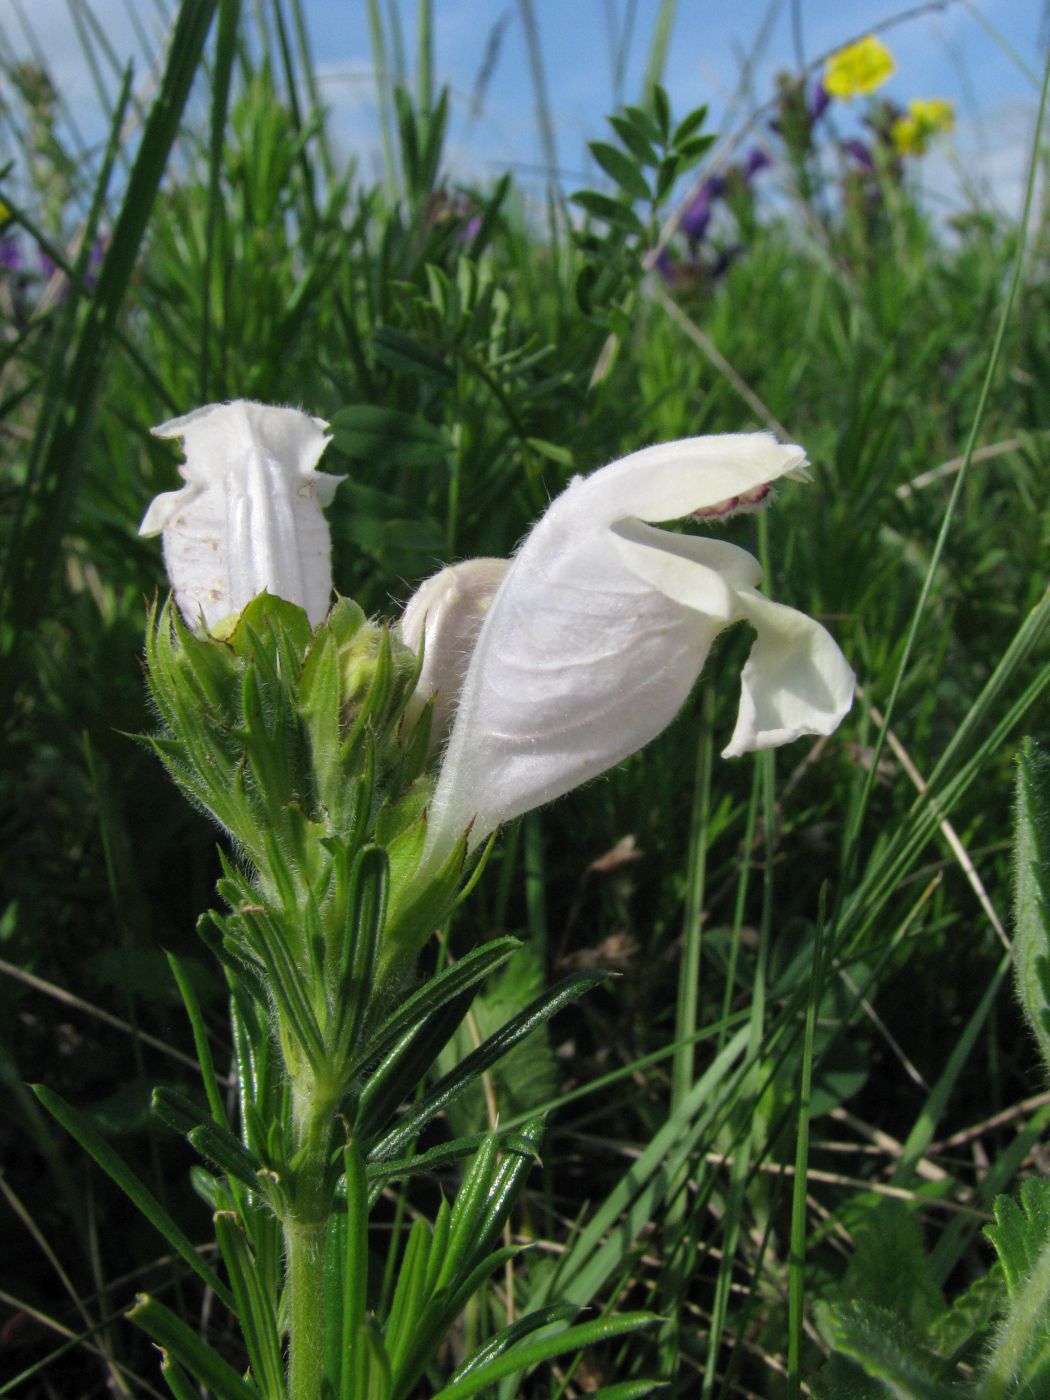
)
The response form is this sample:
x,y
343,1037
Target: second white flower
x,y
601,626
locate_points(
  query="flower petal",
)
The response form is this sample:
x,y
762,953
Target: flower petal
x,y
587,653
600,628
249,517
674,479
796,680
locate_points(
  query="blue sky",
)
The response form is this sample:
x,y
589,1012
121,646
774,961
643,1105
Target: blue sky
x,y
958,51
945,52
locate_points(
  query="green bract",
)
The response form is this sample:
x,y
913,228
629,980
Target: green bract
x,y
296,742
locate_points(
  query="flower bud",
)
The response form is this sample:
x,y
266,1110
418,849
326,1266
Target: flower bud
x,y
446,612
373,646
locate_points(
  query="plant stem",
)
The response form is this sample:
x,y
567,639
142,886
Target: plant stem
x,y
305,1235
1026,1317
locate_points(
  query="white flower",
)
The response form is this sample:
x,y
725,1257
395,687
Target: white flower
x,y
449,609
249,517
601,625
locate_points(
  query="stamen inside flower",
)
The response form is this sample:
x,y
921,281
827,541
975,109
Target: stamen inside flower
x,y
736,505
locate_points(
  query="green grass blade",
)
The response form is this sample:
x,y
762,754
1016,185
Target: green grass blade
x,y
59,467
797,1256
994,357
384,92
658,49
612,1229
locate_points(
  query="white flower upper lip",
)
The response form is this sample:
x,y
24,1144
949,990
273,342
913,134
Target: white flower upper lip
x,y
601,625
250,515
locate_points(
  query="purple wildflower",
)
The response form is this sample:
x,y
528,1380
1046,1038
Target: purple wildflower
x,y
665,266
10,253
48,266
756,160
819,103
697,214
470,229
860,152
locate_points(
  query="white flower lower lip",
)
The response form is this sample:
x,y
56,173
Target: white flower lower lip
x,y
602,623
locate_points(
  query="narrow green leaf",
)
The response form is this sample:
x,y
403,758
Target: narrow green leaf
x,y
404,1067
439,1316
516,1332
629,1390
693,150
226,1153
366,914
669,171
255,1310
661,109
355,1265
200,1039
1032,890
468,1217
643,122
371,1366
409,1302
407,355
535,1014
521,1358
441,1156
206,1365
80,1127
176,1379
440,989
628,1210
553,451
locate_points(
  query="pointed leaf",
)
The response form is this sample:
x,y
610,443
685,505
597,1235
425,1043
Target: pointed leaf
x,y
440,989
539,1011
530,1354
621,167
170,1332
255,1310
80,1127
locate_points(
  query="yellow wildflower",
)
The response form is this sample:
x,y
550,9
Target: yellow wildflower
x,y
934,113
5,214
925,117
858,68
